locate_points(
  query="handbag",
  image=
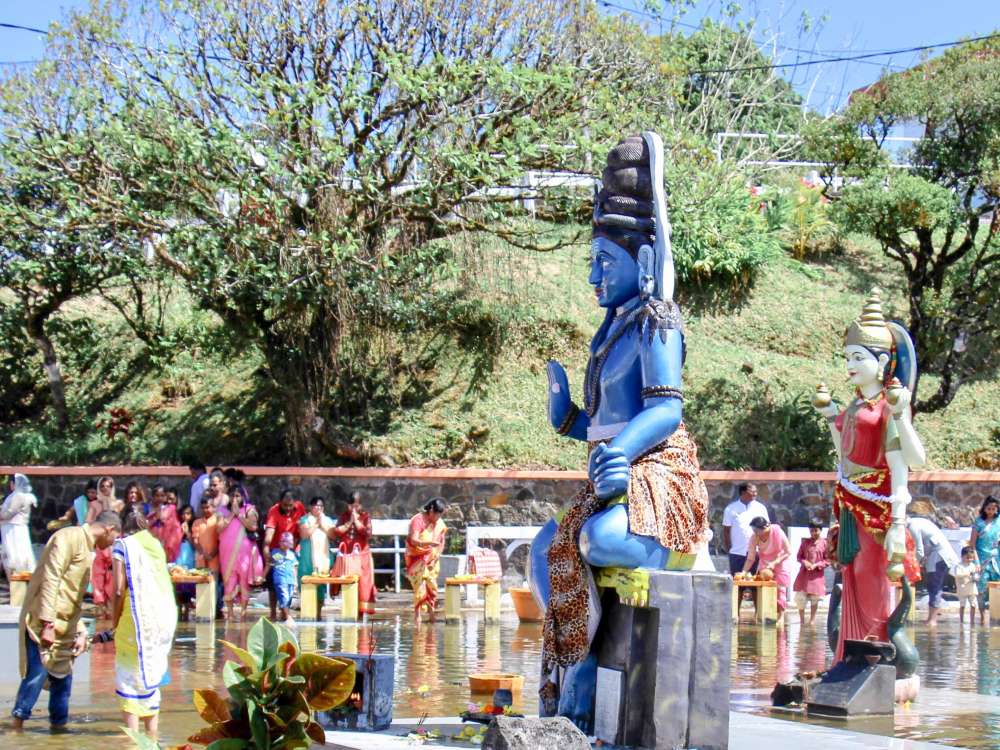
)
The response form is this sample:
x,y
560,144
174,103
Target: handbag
x,y
347,563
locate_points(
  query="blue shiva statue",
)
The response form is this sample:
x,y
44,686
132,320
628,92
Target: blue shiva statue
x,y
645,505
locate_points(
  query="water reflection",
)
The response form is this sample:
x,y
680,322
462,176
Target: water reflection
x,y
959,702
960,670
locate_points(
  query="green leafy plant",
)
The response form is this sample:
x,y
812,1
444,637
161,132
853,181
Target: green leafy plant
x,y
274,692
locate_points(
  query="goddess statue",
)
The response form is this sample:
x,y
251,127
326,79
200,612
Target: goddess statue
x,y
876,448
645,505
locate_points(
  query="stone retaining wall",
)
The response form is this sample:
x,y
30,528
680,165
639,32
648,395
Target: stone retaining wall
x,y
509,498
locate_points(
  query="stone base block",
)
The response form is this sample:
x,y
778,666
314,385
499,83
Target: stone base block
x,y
557,733
373,682
665,667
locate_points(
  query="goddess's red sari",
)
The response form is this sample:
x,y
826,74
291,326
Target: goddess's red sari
x,y
868,598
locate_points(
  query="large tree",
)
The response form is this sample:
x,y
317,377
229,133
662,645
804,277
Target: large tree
x,y
308,169
294,162
52,249
936,218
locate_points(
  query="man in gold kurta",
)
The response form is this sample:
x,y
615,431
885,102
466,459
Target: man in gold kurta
x,y
51,634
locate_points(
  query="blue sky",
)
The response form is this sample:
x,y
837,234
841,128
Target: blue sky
x,y
849,26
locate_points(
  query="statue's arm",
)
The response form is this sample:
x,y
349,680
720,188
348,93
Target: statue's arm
x,y
899,473
565,417
910,444
835,435
662,410
895,538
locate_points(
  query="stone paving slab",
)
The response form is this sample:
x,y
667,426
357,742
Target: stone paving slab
x,y
746,732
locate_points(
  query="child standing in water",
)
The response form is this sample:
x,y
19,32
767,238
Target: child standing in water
x,y
967,584
284,564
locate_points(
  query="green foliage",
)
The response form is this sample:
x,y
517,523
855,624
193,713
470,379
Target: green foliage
x,y
747,101
274,691
801,216
885,206
21,392
301,206
929,220
755,424
720,237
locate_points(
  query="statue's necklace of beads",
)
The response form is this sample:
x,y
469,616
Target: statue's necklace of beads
x,y
871,402
592,382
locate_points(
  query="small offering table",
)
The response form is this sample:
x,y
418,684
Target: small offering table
x,y
765,595
348,595
204,595
453,597
18,587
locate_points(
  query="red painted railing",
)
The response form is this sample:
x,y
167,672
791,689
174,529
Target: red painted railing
x,y
438,474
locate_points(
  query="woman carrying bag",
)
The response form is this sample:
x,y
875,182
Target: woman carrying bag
x,y
354,532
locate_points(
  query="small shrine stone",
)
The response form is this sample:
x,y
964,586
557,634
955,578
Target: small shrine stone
x,y
507,733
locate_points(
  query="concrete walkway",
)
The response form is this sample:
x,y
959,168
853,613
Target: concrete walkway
x,y
746,732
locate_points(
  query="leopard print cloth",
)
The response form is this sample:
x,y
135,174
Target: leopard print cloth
x,y
667,500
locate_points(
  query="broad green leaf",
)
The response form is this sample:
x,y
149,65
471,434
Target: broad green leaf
x,y
230,676
316,733
329,682
142,741
263,641
258,726
211,706
230,743
242,654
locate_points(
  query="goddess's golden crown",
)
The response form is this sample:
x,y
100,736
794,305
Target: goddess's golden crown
x,y
870,330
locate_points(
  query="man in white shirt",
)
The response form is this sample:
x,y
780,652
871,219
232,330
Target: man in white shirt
x,y
736,531
198,488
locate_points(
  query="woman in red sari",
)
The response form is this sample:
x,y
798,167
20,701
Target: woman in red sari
x,y
354,532
877,446
424,546
164,523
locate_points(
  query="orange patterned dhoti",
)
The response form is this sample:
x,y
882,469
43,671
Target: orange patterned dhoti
x,y
667,500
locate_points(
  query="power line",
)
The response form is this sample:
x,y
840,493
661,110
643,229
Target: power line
x,y
785,47
851,58
18,27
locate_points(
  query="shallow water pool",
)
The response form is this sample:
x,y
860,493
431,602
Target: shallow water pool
x,y
959,704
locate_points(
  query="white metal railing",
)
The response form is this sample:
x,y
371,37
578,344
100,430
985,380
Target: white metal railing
x,y
395,528
473,535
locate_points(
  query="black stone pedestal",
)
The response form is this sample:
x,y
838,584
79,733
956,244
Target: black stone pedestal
x,y
663,670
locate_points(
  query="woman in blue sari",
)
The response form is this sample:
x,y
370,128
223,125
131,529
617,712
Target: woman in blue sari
x,y
79,512
985,536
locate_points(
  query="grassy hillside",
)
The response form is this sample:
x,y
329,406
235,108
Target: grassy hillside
x,y
748,378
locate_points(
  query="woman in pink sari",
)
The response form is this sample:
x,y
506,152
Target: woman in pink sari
x,y
240,561
770,544
424,545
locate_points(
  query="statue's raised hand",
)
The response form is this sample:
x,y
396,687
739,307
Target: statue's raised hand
x,y
559,400
898,396
823,403
609,470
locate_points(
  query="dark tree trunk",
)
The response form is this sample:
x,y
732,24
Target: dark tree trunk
x,y
53,371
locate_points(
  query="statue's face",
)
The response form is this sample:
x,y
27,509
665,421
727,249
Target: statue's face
x,y
863,367
613,273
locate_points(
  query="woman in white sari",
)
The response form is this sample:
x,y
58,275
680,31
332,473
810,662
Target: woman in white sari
x,y
146,617
18,555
